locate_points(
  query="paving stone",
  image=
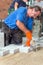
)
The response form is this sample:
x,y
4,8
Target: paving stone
x,y
23,49
3,52
1,39
12,48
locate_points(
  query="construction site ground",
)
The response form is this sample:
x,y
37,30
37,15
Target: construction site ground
x,y
32,58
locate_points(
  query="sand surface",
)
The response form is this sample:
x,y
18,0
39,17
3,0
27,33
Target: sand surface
x,y
32,58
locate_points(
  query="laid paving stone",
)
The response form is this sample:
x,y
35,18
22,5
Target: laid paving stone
x,y
3,52
12,48
23,49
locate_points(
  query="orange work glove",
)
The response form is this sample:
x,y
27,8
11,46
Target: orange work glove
x,y
29,38
27,43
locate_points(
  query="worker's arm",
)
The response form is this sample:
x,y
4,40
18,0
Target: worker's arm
x,y
22,27
20,23
16,5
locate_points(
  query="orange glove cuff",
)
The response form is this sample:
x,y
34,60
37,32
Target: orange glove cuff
x,y
29,35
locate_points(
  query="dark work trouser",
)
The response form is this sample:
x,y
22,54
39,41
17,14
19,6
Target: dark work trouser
x,y
12,36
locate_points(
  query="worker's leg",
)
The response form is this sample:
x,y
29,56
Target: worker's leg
x,y
17,37
8,35
8,38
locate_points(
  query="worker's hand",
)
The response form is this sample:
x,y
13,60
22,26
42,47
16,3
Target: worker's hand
x,y
27,43
29,38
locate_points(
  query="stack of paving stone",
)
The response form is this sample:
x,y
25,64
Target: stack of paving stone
x,y
2,39
36,28
40,41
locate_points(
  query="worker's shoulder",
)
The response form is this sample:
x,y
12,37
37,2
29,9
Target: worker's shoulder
x,y
22,9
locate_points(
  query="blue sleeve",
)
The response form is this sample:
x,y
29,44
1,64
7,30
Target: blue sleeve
x,y
30,23
21,14
20,18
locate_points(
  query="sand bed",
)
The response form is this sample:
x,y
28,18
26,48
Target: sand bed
x,y
32,58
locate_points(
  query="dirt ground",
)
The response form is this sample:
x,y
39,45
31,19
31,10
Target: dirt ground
x,y
32,58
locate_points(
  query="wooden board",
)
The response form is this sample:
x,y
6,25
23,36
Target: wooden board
x,y
32,58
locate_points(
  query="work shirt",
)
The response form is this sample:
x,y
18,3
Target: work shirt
x,y
21,15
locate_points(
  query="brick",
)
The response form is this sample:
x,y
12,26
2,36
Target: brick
x,y
23,49
12,48
1,39
24,40
3,52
